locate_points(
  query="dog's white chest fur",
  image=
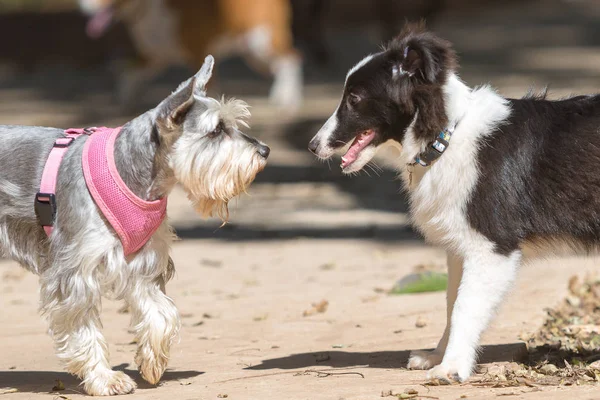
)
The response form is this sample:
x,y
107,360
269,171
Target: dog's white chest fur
x,y
439,193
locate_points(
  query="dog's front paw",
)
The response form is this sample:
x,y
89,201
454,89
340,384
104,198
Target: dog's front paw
x,y
109,383
151,364
448,372
424,359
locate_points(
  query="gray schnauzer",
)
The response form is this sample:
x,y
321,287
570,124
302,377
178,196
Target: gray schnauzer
x,y
188,138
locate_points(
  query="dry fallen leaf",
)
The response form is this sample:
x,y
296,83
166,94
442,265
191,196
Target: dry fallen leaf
x,y
319,307
259,318
563,350
327,266
437,382
407,394
59,386
421,322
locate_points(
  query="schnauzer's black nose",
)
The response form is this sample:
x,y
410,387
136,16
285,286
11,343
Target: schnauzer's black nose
x,y
263,150
312,146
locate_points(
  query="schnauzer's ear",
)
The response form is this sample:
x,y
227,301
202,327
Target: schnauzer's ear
x,y
178,104
203,76
175,108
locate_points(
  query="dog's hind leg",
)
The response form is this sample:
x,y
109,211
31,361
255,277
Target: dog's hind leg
x,y
70,299
429,359
286,91
156,324
487,277
271,48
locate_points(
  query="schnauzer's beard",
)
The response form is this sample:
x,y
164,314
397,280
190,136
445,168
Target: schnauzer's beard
x,y
215,170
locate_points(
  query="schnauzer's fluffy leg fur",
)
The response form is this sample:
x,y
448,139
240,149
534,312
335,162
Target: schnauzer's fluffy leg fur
x,y
156,323
70,296
429,359
487,277
154,317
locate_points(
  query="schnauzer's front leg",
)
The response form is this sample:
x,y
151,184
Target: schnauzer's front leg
x,y
487,276
156,323
71,302
429,359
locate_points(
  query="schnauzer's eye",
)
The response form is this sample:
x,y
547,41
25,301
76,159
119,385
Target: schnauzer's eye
x,y
218,131
353,99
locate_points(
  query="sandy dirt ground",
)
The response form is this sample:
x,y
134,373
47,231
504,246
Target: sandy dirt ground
x,y
306,234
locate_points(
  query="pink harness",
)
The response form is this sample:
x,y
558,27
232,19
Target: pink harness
x,y
134,220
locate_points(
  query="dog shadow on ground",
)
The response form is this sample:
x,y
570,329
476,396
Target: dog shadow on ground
x,y
45,381
382,359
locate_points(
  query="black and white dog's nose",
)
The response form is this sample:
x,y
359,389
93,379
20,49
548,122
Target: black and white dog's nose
x,y
313,145
264,151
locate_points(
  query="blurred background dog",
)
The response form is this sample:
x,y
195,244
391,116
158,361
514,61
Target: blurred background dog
x,y
182,32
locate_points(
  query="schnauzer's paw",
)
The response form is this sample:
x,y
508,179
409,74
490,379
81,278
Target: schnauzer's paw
x,y
424,359
150,365
109,383
448,373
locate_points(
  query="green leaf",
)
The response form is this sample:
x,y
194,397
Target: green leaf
x,y
421,283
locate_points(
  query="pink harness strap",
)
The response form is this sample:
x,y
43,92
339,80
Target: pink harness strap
x,y
134,220
45,200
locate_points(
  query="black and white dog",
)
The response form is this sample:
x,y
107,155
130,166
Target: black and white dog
x,y
485,175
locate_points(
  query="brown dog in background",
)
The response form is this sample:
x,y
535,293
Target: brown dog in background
x,y
183,32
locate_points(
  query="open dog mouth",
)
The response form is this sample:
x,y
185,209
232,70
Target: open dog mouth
x,y
361,141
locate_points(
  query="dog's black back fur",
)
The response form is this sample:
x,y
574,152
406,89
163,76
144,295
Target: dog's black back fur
x,y
540,175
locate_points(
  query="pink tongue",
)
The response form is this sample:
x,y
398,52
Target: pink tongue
x,y
99,23
358,145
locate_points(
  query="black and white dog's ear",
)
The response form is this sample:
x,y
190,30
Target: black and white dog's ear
x,y
408,64
421,54
419,61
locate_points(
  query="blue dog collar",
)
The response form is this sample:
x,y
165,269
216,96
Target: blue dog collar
x,y
436,149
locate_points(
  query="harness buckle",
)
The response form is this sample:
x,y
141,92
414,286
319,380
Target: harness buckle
x,y
63,142
45,208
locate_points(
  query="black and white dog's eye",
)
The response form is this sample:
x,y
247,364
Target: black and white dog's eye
x,y
353,99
